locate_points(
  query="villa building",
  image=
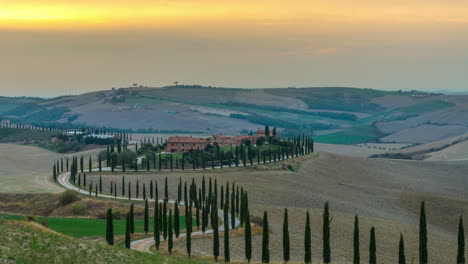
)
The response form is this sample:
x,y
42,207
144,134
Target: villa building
x,y
185,144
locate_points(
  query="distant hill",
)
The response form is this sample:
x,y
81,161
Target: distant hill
x,y
334,114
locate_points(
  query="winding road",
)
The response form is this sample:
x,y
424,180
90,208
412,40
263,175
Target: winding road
x,y
144,244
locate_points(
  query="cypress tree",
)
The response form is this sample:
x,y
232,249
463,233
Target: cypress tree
x,y
164,219
157,225
227,255
110,228
326,235
286,246
176,219
132,220
265,240
127,232
90,164
423,235
55,172
84,179
146,218
214,224
401,251
372,247
166,190
123,186
357,253
179,190
308,241
151,189
188,239
248,237
129,190
461,242
100,163
169,235
233,209
100,184
144,191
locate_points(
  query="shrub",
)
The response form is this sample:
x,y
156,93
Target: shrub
x,y
79,209
68,197
117,215
30,218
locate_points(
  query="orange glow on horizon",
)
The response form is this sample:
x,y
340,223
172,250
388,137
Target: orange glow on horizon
x,y
27,14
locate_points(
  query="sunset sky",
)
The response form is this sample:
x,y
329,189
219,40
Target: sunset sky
x,y
55,47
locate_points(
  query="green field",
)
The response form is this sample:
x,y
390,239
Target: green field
x,y
355,135
430,106
83,227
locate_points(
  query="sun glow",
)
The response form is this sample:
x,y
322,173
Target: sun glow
x,y
144,13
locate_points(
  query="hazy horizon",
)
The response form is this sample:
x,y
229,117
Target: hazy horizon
x,y
53,48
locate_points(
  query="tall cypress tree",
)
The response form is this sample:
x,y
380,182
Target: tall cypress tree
x,y
137,189
146,218
110,228
372,247
90,164
214,224
157,225
164,219
423,235
128,239
169,233
144,191
401,251
357,253
326,235
179,190
188,239
227,255
123,186
176,219
248,237
461,242
286,244
132,220
100,163
265,240
166,190
100,184
307,241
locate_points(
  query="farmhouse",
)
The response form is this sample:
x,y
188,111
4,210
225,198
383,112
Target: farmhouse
x,y
221,140
184,144
237,140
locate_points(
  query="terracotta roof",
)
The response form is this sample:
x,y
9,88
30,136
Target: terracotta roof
x,y
185,140
220,136
243,137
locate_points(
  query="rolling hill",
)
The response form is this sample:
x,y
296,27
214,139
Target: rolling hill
x,y
336,115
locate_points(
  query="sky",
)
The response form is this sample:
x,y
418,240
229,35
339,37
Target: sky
x,y
58,47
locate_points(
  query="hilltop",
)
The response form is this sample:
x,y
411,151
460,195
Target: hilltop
x,y
336,115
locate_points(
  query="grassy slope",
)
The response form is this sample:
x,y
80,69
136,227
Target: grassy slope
x,y
22,242
81,227
351,136
21,135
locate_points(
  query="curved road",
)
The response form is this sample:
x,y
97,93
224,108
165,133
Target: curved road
x,y
145,244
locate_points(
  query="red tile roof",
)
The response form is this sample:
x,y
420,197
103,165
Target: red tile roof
x,y
185,140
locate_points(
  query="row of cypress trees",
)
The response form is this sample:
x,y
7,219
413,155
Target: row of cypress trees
x,y
168,223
